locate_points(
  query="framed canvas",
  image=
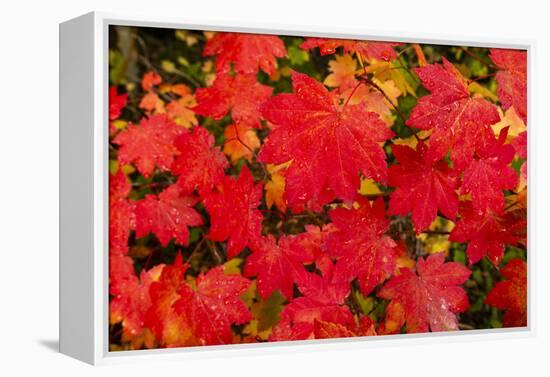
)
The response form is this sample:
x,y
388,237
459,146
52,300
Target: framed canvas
x,y
234,188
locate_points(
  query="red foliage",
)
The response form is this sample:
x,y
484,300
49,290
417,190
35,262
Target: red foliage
x,y
423,186
248,52
512,79
241,95
233,212
458,122
329,145
368,49
360,244
341,254
199,164
167,216
149,144
429,298
511,294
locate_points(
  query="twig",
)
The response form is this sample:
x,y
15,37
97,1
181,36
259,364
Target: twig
x,y
217,257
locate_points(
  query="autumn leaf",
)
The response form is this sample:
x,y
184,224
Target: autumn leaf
x,y
511,120
486,232
240,142
423,186
510,295
311,246
168,216
247,52
117,102
511,79
275,266
488,175
323,299
213,305
328,330
152,104
149,80
360,245
180,111
240,198
374,101
367,49
149,144
130,295
342,70
430,297
241,95
199,165
170,328
275,186
458,122
329,145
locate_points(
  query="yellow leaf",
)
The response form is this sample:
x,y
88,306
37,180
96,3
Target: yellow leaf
x,y
384,71
509,118
231,267
186,37
342,70
434,242
119,124
168,66
369,187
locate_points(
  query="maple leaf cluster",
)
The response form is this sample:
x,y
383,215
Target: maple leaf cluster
x,y
264,204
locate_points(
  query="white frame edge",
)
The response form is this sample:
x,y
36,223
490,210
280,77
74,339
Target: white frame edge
x,y
84,213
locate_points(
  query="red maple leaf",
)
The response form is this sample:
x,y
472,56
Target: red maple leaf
x,y
275,265
116,102
130,294
430,297
458,122
121,213
310,246
199,164
423,186
149,145
167,216
368,49
486,232
213,305
511,294
323,300
240,94
247,52
489,174
149,80
170,328
511,79
329,144
360,245
330,330
233,212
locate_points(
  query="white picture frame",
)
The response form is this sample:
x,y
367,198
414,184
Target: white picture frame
x,y
84,191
